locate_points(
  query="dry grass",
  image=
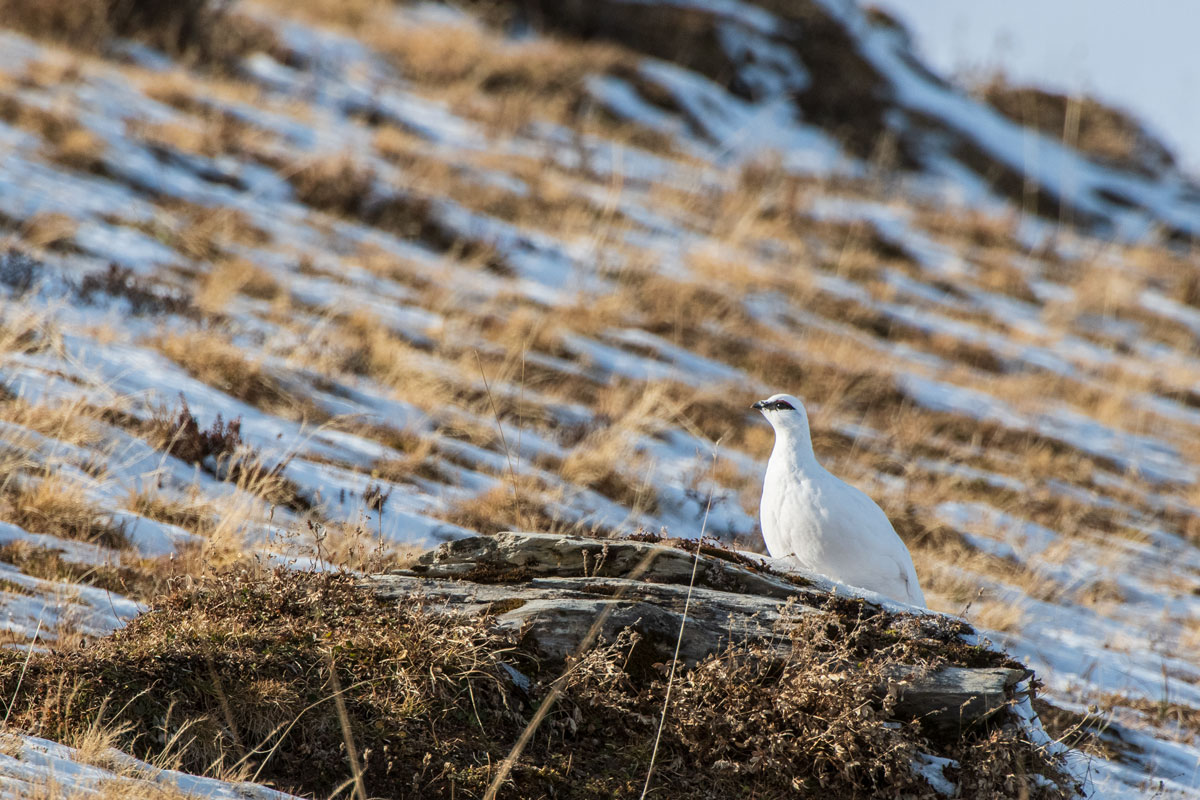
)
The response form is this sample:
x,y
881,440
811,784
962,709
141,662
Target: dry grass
x,y
49,503
352,15
70,422
206,234
1110,135
356,547
140,579
206,132
119,787
419,461
517,505
216,360
761,239
228,278
430,690
197,516
361,344
1090,733
549,200
342,186
506,84
50,231
202,31
606,460
64,140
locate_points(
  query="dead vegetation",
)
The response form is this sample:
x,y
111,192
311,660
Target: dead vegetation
x,y
220,451
142,296
216,360
419,461
341,186
509,84
204,31
142,581
64,140
197,517
230,277
429,705
69,422
51,504
520,504
760,238
182,437
1111,135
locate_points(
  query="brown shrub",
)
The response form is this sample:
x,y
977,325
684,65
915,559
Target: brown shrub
x,y
231,460
182,437
810,725
142,295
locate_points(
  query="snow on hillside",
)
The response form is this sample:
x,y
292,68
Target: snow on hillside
x,y
443,296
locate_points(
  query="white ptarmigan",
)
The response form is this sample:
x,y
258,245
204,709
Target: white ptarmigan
x,y
822,522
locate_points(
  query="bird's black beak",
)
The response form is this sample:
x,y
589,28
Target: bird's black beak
x,y
759,405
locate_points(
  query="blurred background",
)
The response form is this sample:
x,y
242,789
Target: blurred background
x,y
325,284
1140,62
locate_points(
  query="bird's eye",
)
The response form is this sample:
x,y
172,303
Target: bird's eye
x,y
782,404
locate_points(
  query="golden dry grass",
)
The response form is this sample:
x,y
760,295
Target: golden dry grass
x,y
198,516
519,504
65,140
228,278
197,31
506,84
49,231
71,422
216,360
49,503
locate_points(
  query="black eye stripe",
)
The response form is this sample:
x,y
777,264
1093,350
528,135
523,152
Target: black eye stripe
x,y
779,405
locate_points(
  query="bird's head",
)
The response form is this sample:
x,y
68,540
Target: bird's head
x,y
786,415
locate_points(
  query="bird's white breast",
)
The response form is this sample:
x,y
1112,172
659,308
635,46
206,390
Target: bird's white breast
x,y
830,527
797,519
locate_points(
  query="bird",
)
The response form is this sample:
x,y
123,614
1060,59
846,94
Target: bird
x,y
823,523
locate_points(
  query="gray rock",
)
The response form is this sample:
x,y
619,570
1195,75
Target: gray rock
x,y
565,592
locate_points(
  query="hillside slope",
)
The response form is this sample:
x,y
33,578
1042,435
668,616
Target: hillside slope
x,y
364,278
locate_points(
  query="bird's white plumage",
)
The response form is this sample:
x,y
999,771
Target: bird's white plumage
x,y
823,523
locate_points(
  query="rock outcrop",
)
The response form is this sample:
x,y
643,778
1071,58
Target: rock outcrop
x,y
567,592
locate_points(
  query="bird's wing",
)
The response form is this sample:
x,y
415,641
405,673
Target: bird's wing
x,y
884,558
